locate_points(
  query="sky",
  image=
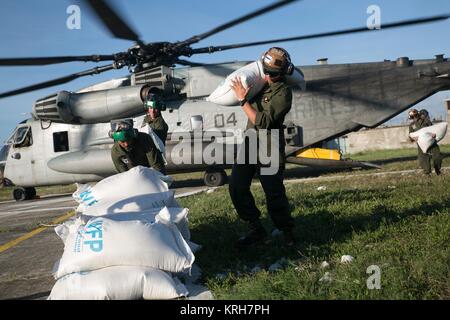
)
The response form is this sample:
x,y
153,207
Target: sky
x,y
31,28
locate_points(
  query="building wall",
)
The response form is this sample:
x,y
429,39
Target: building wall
x,y
385,138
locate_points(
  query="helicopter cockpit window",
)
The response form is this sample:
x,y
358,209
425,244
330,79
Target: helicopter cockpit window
x,y
60,141
21,137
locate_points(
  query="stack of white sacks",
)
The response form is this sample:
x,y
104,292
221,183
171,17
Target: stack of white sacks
x,y
128,242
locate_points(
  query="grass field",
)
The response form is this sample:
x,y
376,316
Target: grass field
x,y
400,224
391,154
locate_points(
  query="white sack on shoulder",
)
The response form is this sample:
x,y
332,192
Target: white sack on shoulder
x,y
424,135
250,75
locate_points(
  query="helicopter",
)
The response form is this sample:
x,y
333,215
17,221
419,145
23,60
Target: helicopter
x,y
66,140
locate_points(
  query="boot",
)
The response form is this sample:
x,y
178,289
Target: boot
x,y
289,238
256,235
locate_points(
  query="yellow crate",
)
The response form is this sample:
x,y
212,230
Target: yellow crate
x,y
318,153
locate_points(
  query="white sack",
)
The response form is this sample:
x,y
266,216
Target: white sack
x,y
134,182
424,135
103,242
176,215
250,75
141,202
118,283
67,228
158,142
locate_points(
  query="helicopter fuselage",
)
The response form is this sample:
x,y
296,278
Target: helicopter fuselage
x,y
338,99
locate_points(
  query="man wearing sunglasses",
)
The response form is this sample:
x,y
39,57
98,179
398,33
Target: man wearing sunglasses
x,y
266,111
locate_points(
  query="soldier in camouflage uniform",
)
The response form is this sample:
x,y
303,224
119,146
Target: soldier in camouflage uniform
x,y
421,120
153,118
133,148
265,111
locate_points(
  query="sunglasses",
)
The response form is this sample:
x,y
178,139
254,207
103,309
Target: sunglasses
x,y
272,74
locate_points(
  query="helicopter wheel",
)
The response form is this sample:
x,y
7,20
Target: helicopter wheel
x,y
215,178
22,194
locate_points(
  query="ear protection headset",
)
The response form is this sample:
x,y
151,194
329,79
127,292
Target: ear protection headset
x,y
271,58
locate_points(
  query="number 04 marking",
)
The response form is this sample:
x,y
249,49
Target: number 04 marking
x,y
219,120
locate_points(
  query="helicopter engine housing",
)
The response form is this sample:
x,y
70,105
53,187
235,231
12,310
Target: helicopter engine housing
x,y
91,107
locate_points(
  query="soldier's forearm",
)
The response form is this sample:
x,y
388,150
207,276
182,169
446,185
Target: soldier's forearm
x,y
250,112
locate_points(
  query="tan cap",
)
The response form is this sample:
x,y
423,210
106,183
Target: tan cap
x,y
413,113
276,60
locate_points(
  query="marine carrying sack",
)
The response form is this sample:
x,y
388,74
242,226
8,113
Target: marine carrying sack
x,y
118,283
250,75
424,135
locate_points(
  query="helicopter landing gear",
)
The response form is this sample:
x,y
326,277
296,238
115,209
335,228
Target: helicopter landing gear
x,y
215,177
22,194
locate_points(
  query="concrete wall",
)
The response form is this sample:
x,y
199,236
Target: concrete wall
x,y
385,138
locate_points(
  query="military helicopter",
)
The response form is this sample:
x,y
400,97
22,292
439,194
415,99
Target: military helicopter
x,y
66,140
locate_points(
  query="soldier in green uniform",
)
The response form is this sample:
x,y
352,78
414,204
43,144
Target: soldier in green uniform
x,y
133,148
154,118
421,120
265,111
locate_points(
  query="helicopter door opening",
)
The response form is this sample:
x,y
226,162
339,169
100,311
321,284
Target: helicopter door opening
x,y
60,141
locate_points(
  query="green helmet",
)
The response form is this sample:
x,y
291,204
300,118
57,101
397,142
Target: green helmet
x,y
124,135
122,130
153,101
424,113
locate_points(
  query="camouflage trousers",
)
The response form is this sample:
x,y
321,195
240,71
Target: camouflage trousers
x,y
433,154
278,206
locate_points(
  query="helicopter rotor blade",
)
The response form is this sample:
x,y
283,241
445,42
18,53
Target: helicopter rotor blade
x,y
189,63
111,19
57,81
234,22
40,61
404,23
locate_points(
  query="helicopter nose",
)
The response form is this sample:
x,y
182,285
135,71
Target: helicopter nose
x,y
2,170
3,156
